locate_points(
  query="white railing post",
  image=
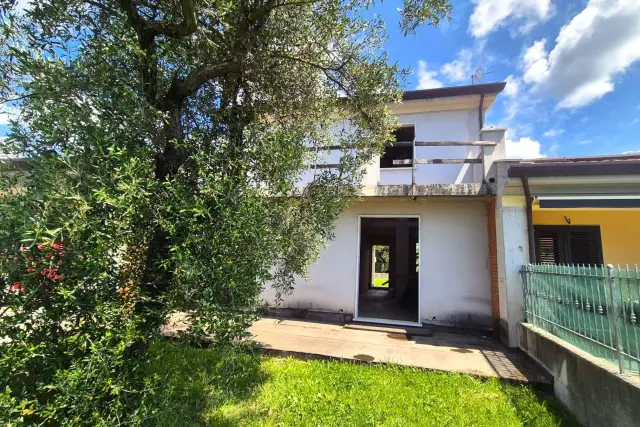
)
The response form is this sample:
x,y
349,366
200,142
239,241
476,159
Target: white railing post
x,y
413,167
613,316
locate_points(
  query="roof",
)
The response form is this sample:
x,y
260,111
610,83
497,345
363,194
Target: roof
x,y
624,164
445,92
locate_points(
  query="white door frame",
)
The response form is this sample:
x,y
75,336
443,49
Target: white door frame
x,y
420,264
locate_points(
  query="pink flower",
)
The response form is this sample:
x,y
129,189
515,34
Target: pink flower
x,y
30,270
58,246
16,287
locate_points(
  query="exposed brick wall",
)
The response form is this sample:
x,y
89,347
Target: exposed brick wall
x,y
493,268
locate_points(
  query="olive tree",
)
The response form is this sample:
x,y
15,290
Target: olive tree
x,y
161,144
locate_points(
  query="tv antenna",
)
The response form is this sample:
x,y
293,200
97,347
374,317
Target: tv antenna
x,y
477,75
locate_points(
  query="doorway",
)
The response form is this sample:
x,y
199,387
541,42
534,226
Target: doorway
x,y
388,270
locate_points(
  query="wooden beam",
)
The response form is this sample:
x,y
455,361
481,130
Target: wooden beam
x,y
410,144
438,161
443,144
454,143
326,166
333,147
403,162
447,161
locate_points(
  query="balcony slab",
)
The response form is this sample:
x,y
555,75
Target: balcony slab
x,y
423,190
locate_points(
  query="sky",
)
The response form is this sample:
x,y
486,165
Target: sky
x,y
572,69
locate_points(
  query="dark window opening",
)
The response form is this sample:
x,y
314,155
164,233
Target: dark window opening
x,y
561,244
400,149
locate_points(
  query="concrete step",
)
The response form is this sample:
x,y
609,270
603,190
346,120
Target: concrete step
x,y
388,329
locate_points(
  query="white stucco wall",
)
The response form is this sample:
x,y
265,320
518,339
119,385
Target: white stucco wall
x,y
456,125
454,262
512,250
452,125
513,253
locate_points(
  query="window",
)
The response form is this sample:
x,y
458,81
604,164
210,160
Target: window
x,y
401,149
560,244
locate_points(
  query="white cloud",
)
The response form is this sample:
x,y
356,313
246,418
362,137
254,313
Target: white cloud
x,y
512,102
512,88
535,62
7,113
460,69
551,133
584,142
599,43
489,15
20,6
427,79
631,152
524,148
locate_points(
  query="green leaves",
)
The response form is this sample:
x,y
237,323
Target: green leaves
x,y
418,12
164,149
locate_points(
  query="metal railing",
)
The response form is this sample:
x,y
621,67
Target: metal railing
x,y
595,308
413,162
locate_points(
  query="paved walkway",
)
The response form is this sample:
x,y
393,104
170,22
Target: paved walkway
x,y
443,351
419,347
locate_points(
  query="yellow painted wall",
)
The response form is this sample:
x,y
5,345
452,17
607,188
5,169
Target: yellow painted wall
x,y
619,229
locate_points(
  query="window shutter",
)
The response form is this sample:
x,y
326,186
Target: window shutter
x,y
557,244
585,246
547,247
562,255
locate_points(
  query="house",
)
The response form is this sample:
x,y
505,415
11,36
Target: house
x,y
446,223
420,245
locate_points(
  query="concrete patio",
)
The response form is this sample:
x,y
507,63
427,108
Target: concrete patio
x,y
437,348
444,351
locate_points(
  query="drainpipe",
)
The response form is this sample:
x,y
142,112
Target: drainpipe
x,y
481,123
529,200
480,108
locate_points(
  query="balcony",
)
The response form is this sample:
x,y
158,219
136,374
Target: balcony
x,y
436,168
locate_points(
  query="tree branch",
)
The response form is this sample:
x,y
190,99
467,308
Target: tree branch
x,y
181,89
327,72
101,6
187,26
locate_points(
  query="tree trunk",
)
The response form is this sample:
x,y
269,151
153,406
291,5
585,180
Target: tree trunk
x,y
157,275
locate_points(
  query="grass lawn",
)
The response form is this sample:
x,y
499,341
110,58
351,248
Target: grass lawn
x,y
204,387
381,282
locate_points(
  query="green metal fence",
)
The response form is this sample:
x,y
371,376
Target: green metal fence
x,y
595,308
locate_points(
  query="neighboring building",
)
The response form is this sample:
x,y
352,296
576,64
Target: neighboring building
x,y
429,201
579,210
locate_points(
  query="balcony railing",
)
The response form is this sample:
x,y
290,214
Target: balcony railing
x,y
416,162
